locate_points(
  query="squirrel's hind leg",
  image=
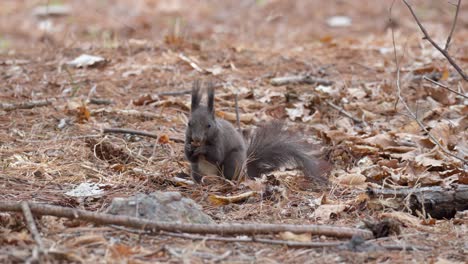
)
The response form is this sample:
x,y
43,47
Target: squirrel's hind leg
x,y
233,164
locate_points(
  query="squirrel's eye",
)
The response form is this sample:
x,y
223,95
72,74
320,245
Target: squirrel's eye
x,y
208,126
189,124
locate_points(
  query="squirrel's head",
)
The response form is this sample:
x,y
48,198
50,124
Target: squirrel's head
x,y
202,123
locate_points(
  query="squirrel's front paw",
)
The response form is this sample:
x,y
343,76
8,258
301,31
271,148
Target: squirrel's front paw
x,y
190,153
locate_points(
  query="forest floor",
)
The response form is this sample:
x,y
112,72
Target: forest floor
x,y
150,47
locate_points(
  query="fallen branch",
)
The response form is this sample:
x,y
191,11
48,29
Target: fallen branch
x,y
444,86
32,226
299,79
438,202
428,38
25,105
153,226
136,132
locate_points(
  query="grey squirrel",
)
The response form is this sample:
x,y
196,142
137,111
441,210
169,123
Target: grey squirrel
x,y
214,146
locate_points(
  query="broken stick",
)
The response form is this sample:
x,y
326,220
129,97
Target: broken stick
x,y
299,79
28,216
25,105
154,226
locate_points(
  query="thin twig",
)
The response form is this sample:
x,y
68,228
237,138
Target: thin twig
x,y
129,131
177,93
344,112
444,52
25,105
449,38
400,98
220,229
28,216
136,132
297,79
445,87
100,101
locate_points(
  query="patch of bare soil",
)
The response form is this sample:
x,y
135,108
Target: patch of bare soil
x,y
149,52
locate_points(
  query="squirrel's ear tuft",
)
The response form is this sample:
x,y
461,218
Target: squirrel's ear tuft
x,y
195,95
211,98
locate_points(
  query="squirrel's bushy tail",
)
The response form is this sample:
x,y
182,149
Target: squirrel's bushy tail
x,y
271,147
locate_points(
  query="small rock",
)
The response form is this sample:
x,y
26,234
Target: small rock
x,y
339,21
52,10
86,60
160,206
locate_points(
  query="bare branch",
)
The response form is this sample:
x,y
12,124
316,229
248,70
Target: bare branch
x,y
444,86
444,52
449,38
154,226
412,114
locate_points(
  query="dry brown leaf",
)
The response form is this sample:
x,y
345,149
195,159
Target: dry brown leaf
x,y
164,139
244,118
428,222
85,240
289,236
382,140
144,100
362,149
463,178
255,185
407,220
443,133
172,102
392,163
375,172
352,179
83,114
118,167
14,238
327,211
427,160
121,250
223,200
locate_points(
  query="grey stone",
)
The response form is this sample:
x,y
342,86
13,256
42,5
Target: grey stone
x,y
160,206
